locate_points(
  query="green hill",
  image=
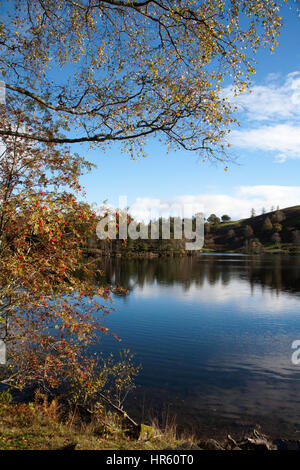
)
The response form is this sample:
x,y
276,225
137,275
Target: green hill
x,y
276,231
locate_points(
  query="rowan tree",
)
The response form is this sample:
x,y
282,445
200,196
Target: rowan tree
x,y
51,307
105,71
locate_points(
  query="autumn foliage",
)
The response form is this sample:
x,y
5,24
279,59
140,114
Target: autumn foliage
x,y
121,71
48,311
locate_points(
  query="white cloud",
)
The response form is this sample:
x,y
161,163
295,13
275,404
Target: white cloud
x,y
284,139
265,102
238,205
240,292
272,117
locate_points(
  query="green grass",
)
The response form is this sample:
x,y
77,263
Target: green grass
x,y
40,427
231,222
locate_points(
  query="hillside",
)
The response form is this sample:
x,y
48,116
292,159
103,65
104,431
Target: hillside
x,y
273,231
277,231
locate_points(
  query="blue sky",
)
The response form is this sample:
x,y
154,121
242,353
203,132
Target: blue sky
x,y
266,148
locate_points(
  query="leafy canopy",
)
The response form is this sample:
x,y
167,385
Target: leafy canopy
x,y
104,71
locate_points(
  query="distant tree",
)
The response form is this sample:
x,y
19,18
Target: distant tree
x,y
207,228
248,231
276,238
296,237
256,246
277,227
267,225
230,234
272,209
145,246
278,216
225,218
213,219
252,212
211,240
263,210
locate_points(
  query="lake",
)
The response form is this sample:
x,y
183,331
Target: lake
x,y
214,336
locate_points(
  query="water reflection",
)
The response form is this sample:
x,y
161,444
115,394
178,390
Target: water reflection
x,y
214,335
281,273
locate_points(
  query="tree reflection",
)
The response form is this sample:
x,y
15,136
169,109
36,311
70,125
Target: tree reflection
x,y
279,273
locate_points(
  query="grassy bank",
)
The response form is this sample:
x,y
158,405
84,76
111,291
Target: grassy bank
x,y
45,425
42,426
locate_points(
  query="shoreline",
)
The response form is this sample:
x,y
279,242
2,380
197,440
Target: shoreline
x,y
41,426
97,253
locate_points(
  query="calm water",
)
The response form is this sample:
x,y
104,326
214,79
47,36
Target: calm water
x,y
214,336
